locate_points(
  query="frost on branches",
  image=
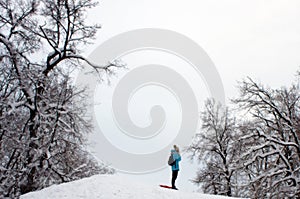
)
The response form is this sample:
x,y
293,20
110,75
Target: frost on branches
x,y
216,151
257,154
272,149
42,116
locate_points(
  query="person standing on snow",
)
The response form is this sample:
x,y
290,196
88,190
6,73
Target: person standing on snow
x,y
175,168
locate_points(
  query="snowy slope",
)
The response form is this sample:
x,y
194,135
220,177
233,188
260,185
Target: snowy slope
x,y
111,187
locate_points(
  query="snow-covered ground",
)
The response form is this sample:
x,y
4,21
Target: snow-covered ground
x,y
111,187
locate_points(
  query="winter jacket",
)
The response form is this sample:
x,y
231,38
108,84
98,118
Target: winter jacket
x,y
177,158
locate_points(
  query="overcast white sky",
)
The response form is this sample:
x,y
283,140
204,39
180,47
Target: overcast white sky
x,y
256,38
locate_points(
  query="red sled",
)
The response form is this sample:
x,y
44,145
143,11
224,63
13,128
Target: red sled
x,y
165,186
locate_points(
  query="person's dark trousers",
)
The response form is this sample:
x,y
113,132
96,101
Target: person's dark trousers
x,y
174,176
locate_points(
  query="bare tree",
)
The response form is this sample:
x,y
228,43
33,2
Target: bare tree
x,y
42,123
272,151
214,146
256,156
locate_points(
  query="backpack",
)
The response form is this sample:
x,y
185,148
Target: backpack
x,y
171,160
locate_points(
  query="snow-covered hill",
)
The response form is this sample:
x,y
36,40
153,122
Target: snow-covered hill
x,y
111,187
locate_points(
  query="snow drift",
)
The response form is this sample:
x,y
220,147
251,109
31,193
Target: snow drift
x,y
111,187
